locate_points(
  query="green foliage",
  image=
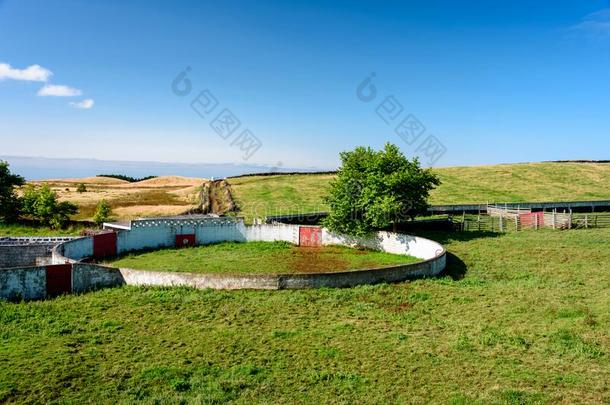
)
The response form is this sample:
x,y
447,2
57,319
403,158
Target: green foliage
x,y
41,204
375,189
102,212
9,202
81,188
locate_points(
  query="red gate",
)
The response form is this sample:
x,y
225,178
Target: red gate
x,y
104,245
185,239
310,236
59,279
532,220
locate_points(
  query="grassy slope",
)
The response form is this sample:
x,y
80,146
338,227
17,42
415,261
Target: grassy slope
x,y
527,323
28,230
260,196
523,182
258,257
268,195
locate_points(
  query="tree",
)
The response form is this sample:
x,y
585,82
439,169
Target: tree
x,y
9,202
81,188
41,204
376,189
102,212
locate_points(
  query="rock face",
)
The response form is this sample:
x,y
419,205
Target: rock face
x,y
215,197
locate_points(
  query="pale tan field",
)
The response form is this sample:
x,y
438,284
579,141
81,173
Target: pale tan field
x,y
166,195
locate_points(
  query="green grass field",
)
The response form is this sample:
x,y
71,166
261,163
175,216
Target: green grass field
x,y
29,230
520,318
258,257
260,196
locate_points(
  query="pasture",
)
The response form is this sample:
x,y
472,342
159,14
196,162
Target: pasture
x,y
518,318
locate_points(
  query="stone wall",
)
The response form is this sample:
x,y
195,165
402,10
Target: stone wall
x,y
24,255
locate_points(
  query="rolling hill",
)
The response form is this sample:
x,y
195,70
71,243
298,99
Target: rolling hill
x,y
258,196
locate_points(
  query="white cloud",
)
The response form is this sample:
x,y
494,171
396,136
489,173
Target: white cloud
x,y
33,73
59,90
84,104
595,25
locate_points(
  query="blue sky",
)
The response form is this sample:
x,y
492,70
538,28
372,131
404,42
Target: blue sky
x,y
492,81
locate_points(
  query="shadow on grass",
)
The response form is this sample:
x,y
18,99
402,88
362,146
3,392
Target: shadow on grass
x,y
456,268
444,237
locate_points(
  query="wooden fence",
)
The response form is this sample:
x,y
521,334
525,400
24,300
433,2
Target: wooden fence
x,y
534,220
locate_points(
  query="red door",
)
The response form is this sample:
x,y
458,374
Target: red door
x,y
59,279
185,239
310,236
104,245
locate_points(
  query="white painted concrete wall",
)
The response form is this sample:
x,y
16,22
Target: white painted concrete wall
x,y
164,235
275,232
28,283
388,242
76,249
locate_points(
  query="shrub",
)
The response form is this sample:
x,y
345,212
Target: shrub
x,y
102,212
81,188
41,204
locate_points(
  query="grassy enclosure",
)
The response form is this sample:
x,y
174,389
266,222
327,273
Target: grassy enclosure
x,y
519,318
259,257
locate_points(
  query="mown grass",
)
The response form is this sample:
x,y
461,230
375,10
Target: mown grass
x,y
258,257
261,196
519,318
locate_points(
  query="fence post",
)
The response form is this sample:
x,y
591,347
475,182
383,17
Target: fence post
x,y
586,221
517,222
554,217
501,223
463,220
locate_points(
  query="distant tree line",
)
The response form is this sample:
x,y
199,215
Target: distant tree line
x,y
281,173
127,178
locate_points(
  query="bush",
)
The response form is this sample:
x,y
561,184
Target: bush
x,y
102,212
41,204
9,202
81,188
376,189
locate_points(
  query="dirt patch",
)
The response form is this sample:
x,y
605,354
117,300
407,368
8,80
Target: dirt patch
x,y
315,260
215,197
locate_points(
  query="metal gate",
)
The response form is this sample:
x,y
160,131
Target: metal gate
x,y
59,279
310,236
104,245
